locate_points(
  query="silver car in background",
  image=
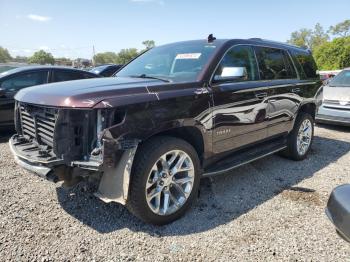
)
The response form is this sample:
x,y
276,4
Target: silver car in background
x,y
334,100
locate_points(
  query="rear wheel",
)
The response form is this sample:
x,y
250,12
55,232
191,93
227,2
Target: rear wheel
x,y
300,139
165,180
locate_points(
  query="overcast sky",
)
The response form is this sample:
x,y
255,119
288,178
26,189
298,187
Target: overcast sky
x,y
71,28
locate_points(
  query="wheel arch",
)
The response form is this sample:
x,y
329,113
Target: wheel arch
x,y
190,134
308,107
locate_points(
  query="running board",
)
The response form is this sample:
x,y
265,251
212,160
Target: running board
x,y
241,158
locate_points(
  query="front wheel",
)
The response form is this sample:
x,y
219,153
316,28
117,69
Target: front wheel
x,y
300,139
165,180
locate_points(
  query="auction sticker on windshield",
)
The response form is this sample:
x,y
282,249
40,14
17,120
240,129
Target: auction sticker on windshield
x,y
188,56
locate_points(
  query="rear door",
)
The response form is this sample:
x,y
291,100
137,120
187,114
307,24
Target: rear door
x,y
11,85
240,101
277,70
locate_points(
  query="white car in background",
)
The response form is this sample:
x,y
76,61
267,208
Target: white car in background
x,y
334,100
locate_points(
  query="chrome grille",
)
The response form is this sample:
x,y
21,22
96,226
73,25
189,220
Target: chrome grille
x,y
38,123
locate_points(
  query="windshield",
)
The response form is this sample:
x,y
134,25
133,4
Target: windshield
x,y
175,62
342,79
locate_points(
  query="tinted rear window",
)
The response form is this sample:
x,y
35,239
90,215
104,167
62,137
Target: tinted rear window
x,y
66,75
305,63
274,64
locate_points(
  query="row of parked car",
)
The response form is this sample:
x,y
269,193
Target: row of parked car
x,y
175,114
13,80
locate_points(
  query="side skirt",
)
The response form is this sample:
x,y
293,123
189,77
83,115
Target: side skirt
x,y
238,159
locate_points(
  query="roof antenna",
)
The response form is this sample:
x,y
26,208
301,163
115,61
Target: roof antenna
x,y
211,38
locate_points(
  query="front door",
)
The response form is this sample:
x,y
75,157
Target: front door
x,y
240,101
6,108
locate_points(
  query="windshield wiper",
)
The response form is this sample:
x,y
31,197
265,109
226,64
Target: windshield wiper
x,y
151,77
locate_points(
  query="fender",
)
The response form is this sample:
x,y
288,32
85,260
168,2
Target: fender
x,y
311,105
174,110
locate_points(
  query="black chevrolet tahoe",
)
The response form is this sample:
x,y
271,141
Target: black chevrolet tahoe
x,y
175,114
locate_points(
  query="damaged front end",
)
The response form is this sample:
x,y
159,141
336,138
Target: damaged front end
x,y
73,144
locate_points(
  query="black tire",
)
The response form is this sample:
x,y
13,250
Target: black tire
x,y
291,151
146,156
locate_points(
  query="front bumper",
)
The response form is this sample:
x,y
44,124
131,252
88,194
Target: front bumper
x,y
330,115
41,161
30,157
115,171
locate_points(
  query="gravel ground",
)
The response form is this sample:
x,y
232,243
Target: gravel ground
x,y
272,209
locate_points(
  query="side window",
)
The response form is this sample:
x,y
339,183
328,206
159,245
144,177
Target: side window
x,y
274,64
291,73
237,65
305,63
20,81
66,75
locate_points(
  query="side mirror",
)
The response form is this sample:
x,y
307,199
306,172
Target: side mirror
x,y
231,74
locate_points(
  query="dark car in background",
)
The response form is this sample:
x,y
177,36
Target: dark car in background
x,y
106,70
176,113
12,81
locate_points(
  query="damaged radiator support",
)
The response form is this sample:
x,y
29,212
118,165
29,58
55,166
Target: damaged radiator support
x,y
63,144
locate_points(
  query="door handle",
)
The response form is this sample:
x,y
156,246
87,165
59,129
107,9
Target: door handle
x,y
201,90
296,90
261,95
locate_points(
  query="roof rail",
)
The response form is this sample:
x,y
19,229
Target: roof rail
x,y
283,43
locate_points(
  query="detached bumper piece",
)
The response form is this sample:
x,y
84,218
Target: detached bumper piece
x,y
338,210
33,157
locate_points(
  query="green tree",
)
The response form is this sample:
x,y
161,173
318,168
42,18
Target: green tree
x,y
4,55
105,58
318,36
301,38
41,57
125,55
333,55
341,29
149,44
309,38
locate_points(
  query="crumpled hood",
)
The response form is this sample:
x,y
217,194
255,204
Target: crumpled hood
x,y
336,93
84,93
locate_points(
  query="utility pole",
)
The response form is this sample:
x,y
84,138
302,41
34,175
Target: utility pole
x,y
93,55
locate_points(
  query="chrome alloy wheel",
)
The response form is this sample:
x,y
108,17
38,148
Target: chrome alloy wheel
x,y
304,137
170,182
